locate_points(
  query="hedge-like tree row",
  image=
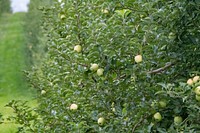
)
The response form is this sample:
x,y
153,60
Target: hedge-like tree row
x,y
117,67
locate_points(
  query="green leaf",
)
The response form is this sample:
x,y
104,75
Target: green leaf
x,y
123,13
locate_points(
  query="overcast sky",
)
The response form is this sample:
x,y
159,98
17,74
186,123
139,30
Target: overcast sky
x,y
19,5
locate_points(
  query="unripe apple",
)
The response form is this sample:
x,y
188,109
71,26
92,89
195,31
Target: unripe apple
x,y
94,67
62,16
142,15
73,106
105,11
189,81
43,92
138,58
113,109
101,121
197,90
77,48
157,116
100,71
197,97
172,36
162,104
195,79
178,119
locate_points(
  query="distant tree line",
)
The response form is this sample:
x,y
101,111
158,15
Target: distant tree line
x,y
5,6
35,39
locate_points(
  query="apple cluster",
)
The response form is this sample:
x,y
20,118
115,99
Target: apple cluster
x,y
193,81
162,104
94,66
197,91
177,119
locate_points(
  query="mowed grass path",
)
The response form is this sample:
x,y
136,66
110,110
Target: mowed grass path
x,y
13,60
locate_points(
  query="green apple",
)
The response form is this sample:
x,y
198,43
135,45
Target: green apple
x,y
197,97
77,48
101,121
178,119
197,90
43,92
62,16
100,71
162,104
189,81
113,109
195,79
142,15
105,11
94,67
157,116
171,36
138,58
73,106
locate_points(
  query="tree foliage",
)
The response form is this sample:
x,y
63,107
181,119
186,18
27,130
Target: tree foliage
x,y
35,37
4,6
130,91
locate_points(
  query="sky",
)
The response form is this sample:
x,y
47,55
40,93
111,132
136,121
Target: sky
x,y
19,5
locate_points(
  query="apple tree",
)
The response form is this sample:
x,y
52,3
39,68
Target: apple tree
x,y
118,66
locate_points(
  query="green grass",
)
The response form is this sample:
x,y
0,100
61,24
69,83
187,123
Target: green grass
x,y
13,60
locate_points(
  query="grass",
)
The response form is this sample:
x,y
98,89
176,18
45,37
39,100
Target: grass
x,y
13,61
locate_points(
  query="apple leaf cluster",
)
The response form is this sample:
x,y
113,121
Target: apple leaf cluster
x,y
178,107
116,66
